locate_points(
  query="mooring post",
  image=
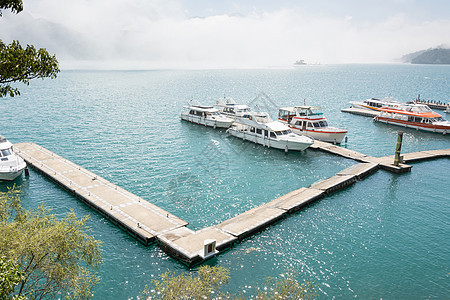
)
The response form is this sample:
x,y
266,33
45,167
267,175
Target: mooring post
x,y
398,148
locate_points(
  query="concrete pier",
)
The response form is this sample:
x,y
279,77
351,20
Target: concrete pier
x,y
361,112
138,217
149,223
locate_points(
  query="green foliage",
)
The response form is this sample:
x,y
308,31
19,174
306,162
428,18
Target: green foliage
x,y
286,287
19,64
16,6
10,276
209,282
206,285
56,257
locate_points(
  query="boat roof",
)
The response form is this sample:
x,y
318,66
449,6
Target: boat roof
x,y
300,107
277,126
203,108
4,143
412,112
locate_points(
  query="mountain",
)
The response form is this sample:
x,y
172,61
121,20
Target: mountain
x,y
438,55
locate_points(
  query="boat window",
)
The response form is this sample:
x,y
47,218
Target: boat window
x,y
258,131
317,125
6,152
285,131
272,135
252,129
289,131
309,124
278,133
266,133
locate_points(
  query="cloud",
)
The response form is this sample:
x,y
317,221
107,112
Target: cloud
x,y
158,34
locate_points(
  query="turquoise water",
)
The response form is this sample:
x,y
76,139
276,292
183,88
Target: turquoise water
x,y
384,237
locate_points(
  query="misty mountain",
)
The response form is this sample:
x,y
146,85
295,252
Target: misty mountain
x,y
430,56
56,38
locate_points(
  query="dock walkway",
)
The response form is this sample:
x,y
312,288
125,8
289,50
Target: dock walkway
x,y
361,112
138,217
149,223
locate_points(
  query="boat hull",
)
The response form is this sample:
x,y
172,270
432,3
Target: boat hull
x,y
270,142
325,136
206,121
419,126
10,176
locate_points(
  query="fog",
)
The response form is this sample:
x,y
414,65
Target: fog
x,y
138,34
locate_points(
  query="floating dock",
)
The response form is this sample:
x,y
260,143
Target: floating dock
x,y
361,112
140,218
386,163
149,223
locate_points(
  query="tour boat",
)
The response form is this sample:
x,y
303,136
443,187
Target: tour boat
x,y
418,116
11,165
229,108
376,103
205,115
261,129
309,120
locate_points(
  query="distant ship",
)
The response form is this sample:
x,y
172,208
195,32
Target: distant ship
x,y
299,62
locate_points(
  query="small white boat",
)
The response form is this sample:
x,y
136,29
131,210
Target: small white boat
x,y
263,130
417,116
205,115
11,165
376,103
447,110
309,120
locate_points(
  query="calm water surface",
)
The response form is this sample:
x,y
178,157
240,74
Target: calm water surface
x,y
384,237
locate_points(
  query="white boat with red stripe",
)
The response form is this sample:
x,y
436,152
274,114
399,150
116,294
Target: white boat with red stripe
x,y
309,120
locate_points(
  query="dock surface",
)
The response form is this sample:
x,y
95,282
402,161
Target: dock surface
x,y
361,112
149,223
140,218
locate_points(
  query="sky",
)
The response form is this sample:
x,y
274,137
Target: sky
x,y
196,34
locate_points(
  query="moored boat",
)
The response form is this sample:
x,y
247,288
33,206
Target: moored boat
x,y
11,165
264,131
309,120
205,115
376,103
418,116
229,108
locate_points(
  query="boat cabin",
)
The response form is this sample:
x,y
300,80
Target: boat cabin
x,y
236,110
5,149
303,116
203,111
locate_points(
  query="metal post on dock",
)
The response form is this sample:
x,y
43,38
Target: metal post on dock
x,y
398,148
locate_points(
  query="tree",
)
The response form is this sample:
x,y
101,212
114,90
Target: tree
x,y
10,277
56,258
205,285
210,281
18,64
286,287
15,5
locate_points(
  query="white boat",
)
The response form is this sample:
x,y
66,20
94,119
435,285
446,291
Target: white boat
x,y
447,110
263,130
417,116
376,103
205,115
229,108
11,165
309,120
